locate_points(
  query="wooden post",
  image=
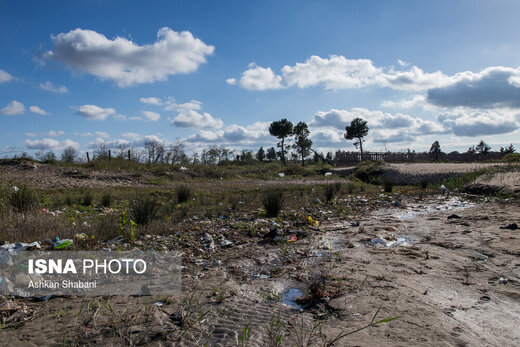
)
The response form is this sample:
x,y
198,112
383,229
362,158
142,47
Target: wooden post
x,y
109,155
88,158
128,155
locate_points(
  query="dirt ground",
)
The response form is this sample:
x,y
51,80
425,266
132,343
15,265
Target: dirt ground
x,y
434,283
443,264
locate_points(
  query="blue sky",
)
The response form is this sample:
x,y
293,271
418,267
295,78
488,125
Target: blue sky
x,y
216,73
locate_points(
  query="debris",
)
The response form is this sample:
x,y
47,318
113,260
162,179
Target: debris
x,y
290,296
317,201
225,243
443,187
116,240
328,173
159,304
281,174
81,236
312,222
18,247
182,168
454,216
291,238
62,244
512,226
396,203
400,241
354,224
15,188
502,280
479,257
209,244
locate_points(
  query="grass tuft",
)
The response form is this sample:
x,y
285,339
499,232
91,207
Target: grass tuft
x,y
183,193
144,209
272,202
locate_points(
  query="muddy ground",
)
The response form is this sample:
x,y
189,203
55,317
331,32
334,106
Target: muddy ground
x,y
442,262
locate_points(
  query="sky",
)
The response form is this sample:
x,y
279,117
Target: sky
x,y
82,73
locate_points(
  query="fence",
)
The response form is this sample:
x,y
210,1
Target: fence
x,y
352,158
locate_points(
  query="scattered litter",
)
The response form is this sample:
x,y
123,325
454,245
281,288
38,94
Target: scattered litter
x,y
328,173
354,224
479,257
116,240
290,296
400,241
62,244
225,243
159,304
512,226
281,174
81,236
18,247
208,242
312,222
454,216
291,238
182,168
443,187
502,280
396,203
317,201
15,188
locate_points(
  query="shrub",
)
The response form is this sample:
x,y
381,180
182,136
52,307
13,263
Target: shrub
x,y
87,198
330,191
272,202
388,186
106,199
424,184
143,209
369,172
511,157
22,199
183,193
68,200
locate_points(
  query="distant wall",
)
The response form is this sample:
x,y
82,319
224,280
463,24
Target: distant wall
x,y
350,158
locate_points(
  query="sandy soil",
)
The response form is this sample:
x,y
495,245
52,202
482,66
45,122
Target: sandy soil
x,y
433,282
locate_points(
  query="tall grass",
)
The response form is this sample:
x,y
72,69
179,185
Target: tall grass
x,y
183,193
144,209
273,202
22,199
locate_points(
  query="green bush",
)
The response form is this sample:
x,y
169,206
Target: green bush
x,y
144,209
22,199
511,157
330,191
87,198
183,193
272,202
388,186
369,172
106,199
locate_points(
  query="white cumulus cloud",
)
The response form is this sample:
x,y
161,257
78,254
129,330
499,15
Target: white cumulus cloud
x,y
151,101
151,116
58,89
95,112
50,144
128,63
4,76
38,110
13,108
258,78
